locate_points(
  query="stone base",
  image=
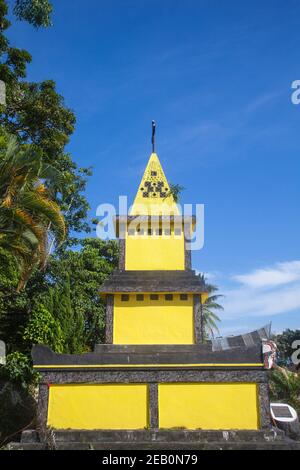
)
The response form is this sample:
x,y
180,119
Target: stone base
x,y
272,439
162,372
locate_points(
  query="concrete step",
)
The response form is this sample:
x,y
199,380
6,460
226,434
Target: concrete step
x,y
26,446
176,446
168,436
162,446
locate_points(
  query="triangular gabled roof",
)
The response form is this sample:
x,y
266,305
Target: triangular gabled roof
x,y
153,196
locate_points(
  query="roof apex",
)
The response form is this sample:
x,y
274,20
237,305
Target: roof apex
x,y
153,196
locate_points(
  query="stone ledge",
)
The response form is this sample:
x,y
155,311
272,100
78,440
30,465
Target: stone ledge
x,y
168,435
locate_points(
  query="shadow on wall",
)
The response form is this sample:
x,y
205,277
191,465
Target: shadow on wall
x,y
17,410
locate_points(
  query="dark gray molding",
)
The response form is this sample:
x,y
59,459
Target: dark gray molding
x,y
152,376
109,319
187,251
184,280
187,257
153,406
264,405
42,408
162,357
122,248
197,319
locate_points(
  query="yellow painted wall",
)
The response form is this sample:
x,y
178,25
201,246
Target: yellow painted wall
x,y
126,406
153,321
100,406
154,253
208,406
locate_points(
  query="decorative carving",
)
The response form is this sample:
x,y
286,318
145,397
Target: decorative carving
x,y
269,349
154,184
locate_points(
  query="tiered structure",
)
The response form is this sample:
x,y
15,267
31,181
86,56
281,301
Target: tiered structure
x,y
153,374
154,297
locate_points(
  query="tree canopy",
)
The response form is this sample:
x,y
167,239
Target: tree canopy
x,y
36,114
36,12
50,274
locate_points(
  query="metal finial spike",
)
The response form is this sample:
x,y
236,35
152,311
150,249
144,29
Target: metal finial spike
x,y
153,136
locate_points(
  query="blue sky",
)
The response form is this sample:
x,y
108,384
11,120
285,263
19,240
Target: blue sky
x,y
216,76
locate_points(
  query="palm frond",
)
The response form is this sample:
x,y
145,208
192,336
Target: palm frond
x,y
27,213
211,314
49,209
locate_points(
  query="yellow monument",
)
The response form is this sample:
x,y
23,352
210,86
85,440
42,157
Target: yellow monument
x,y
153,297
153,373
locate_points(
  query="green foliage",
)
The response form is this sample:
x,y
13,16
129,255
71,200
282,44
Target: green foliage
x,y
12,304
27,214
86,269
43,328
36,12
71,321
175,190
78,308
55,323
285,387
9,276
37,115
59,305
13,60
19,370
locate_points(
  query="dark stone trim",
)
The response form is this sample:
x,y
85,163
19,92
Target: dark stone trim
x,y
109,319
187,251
144,358
161,349
153,376
187,257
264,405
42,409
122,254
197,319
184,280
153,405
141,436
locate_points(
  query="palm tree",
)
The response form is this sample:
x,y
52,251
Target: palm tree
x,y
175,190
208,317
27,214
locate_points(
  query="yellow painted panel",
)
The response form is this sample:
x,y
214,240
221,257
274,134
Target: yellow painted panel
x,y
154,253
186,365
208,406
153,322
100,406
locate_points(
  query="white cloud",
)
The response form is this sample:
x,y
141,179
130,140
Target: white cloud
x,y
264,292
210,276
245,302
262,101
281,273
